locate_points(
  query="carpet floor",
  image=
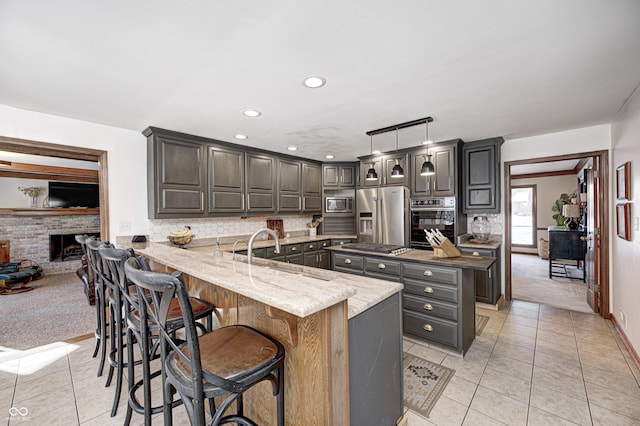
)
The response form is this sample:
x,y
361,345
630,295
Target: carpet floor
x,y
530,282
56,309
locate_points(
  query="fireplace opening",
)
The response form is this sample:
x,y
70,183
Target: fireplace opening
x,y
64,247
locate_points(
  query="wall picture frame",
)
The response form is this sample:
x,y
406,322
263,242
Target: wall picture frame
x,y
623,221
623,181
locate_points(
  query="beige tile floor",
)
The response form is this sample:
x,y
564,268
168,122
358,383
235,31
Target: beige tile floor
x,y
532,365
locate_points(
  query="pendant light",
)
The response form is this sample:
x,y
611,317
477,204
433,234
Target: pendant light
x,y
397,171
371,173
427,167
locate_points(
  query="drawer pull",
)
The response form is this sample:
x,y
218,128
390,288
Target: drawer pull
x,y
324,244
428,290
294,248
427,327
475,253
311,246
428,273
347,261
341,242
381,266
428,306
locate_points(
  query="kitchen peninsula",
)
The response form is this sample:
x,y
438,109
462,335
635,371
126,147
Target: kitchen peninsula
x,y
310,311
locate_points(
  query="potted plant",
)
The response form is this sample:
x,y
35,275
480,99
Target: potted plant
x,y
557,207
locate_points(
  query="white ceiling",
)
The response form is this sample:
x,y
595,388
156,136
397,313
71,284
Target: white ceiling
x,y
480,68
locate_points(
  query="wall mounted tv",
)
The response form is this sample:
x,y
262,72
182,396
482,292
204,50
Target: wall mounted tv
x,y
72,194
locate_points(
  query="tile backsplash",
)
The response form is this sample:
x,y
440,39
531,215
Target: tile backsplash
x,y
496,221
223,227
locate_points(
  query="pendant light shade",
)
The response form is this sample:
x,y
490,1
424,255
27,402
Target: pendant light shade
x,y
371,173
428,168
397,171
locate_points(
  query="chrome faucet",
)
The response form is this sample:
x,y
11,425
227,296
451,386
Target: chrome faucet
x,y
253,237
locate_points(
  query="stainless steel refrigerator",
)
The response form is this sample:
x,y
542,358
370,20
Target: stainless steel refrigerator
x,y
383,215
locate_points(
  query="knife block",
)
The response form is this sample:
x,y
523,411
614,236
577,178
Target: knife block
x,y
445,249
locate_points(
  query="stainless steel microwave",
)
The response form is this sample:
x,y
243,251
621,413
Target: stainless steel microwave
x,y
338,204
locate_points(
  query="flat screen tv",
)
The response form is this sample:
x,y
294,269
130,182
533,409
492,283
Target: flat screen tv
x,y
72,194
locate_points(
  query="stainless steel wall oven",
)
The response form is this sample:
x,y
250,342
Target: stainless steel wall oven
x,y
433,213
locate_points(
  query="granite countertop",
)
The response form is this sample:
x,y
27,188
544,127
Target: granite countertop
x,y
493,243
297,289
426,256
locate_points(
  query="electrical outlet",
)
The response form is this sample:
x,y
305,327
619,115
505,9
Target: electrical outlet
x,y
124,226
623,319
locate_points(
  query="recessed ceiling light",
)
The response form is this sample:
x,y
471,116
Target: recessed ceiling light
x,y
241,136
314,82
292,148
329,156
252,113
427,142
375,152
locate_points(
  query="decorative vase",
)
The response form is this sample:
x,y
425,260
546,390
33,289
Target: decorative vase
x,y
33,202
481,228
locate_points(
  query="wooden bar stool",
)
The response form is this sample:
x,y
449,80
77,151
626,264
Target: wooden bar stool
x,y
146,333
97,269
225,361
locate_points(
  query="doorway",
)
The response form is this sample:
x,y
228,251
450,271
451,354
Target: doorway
x,y
25,146
598,244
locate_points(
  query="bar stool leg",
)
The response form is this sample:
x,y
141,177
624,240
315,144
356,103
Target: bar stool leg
x,y
103,334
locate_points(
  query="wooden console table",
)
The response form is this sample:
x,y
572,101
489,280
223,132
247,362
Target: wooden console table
x,y
565,244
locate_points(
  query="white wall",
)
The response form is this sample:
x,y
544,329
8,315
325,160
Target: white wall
x,y
126,150
586,139
625,139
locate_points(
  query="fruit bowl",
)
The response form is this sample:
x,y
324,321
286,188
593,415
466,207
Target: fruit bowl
x,y
181,238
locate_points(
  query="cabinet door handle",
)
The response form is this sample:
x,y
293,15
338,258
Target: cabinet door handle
x,y
428,290
311,246
489,273
293,249
347,261
341,242
381,266
428,306
585,238
324,244
428,273
427,327
475,253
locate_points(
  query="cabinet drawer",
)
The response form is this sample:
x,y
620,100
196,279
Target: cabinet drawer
x,y
431,273
382,267
312,246
324,243
348,262
477,251
430,307
432,290
430,328
293,249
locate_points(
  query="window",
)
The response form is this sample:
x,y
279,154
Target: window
x,y
523,215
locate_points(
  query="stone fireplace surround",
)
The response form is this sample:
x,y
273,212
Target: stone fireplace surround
x,y
29,237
